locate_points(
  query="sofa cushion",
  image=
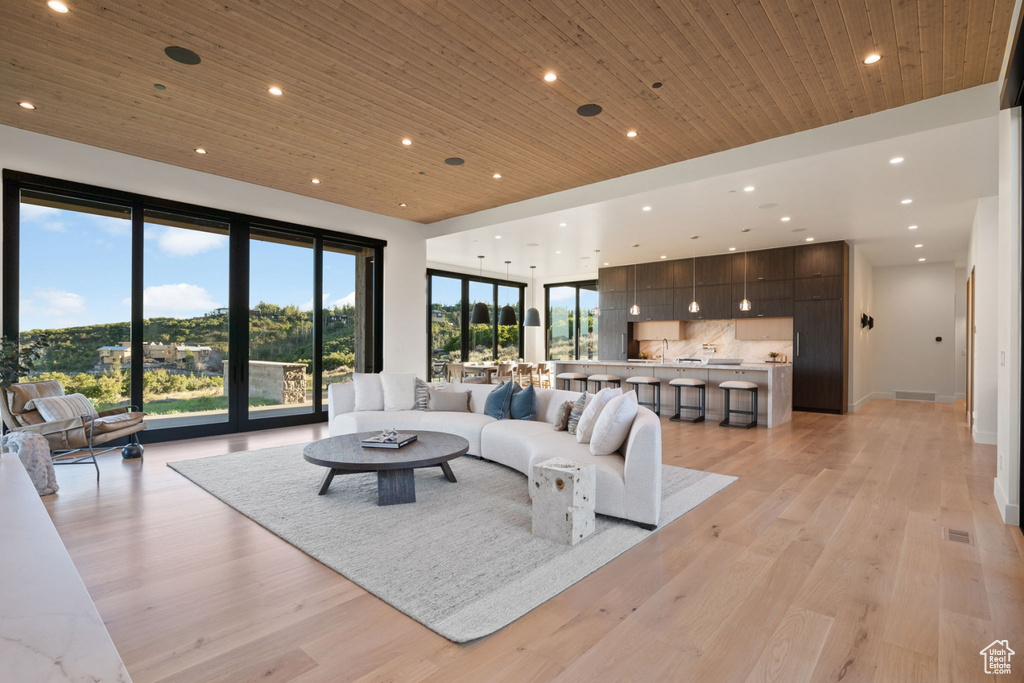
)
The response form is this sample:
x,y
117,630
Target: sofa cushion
x,y
466,425
451,401
112,423
613,424
588,419
562,418
499,401
399,390
56,408
577,412
369,392
524,404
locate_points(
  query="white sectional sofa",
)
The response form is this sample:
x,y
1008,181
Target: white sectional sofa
x,y
628,482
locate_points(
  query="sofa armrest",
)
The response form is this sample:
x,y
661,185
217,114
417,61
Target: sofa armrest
x,y
642,472
341,398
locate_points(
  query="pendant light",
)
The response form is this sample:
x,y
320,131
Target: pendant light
x,y
481,315
508,314
694,306
634,309
597,309
745,304
532,317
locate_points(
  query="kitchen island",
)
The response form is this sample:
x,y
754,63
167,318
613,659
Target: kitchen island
x,y
774,384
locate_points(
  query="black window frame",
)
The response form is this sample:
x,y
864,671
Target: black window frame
x,y
577,285
467,310
15,182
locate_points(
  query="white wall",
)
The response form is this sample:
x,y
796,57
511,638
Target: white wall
x,y
862,361
404,258
960,335
982,256
914,305
1007,483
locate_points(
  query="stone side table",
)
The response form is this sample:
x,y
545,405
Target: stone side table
x,y
563,500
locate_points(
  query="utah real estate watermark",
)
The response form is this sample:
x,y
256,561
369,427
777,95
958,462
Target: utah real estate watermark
x,y
997,657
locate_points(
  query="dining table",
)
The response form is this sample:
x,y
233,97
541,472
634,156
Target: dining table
x,y
481,369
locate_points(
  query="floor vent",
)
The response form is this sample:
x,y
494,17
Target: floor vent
x,y
915,396
958,536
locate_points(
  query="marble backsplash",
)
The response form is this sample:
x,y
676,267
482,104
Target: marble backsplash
x,y
721,333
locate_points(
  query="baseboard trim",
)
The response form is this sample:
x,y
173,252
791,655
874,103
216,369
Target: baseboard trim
x,y
961,396
945,399
988,438
1010,513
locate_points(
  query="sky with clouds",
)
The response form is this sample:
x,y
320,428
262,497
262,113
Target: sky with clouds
x,y
76,270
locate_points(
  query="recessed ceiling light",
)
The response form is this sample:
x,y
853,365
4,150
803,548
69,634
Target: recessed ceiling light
x,y
732,248
558,252
606,263
872,58
26,105
57,6
497,237
906,201
647,208
496,175
785,219
911,227
920,259
200,150
808,239
631,134
406,141
748,188
403,205
562,225
918,246
896,160
550,77
663,256
274,90
315,181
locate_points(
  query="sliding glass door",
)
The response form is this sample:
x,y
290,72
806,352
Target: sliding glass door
x,y
210,321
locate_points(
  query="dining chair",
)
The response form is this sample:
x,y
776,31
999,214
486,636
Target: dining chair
x,y
456,372
504,373
543,375
524,373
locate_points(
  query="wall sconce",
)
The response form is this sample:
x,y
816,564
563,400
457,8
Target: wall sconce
x,y
863,320
871,323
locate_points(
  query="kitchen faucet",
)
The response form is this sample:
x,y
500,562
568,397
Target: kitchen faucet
x,y
664,349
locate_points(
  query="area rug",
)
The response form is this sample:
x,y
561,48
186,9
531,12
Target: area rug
x,y
461,560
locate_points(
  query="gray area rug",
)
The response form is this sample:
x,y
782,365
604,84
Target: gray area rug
x,y
461,560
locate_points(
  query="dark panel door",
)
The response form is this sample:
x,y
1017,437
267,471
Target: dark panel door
x,y
613,279
764,266
715,303
714,270
656,275
818,355
682,272
812,288
611,335
660,299
819,260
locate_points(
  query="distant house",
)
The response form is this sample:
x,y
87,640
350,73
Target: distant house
x,y
437,316
166,353
121,353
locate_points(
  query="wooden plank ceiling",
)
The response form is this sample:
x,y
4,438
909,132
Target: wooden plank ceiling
x,y
465,79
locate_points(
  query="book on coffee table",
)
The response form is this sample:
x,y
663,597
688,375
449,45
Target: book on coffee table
x,y
381,441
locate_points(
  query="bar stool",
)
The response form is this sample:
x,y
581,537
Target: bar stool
x,y
737,385
649,381
683,382
565,380
601,380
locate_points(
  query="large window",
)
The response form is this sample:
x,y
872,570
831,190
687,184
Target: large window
x,y
452,337
572,321
211,321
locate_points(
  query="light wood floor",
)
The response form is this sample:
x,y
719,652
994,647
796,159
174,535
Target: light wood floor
x,y
825,561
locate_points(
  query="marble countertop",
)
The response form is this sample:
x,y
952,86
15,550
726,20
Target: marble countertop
x,y
49,627
697,366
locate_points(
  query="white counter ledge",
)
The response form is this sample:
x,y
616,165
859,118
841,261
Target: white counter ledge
x,y
774,381
49,627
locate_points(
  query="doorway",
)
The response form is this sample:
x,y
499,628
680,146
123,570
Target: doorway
x,y
970,351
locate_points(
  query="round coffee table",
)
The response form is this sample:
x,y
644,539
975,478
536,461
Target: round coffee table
x,y
394,466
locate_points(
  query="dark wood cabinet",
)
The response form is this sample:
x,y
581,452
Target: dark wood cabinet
x,y
656,275
714,270
655,304
611,301
682,272
779,289
814,288
715,303
614,279
764,308
765,265
820,260
819,356
611,335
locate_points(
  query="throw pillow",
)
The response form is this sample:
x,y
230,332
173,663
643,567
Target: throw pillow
x,y
399,390
588,419
422,395
369,394
67,407
562,416
613,424
524,404
577,411
499,401
450,401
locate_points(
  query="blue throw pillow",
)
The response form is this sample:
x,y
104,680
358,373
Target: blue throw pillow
x,y
498,401
524,404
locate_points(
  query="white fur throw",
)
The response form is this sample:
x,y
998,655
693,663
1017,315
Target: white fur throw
x,y
34,452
